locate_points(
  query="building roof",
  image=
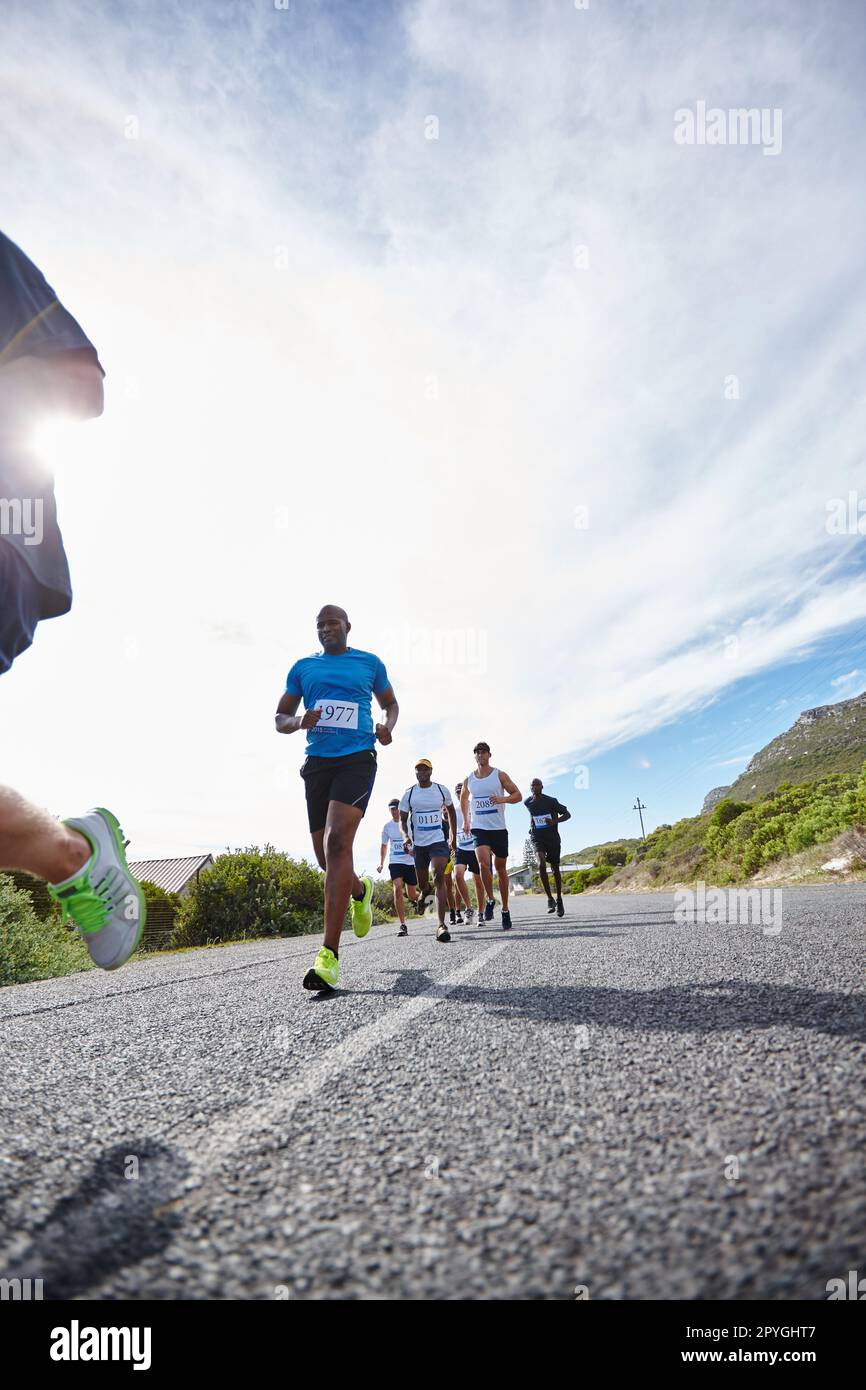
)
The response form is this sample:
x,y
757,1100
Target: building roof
x,y
170,874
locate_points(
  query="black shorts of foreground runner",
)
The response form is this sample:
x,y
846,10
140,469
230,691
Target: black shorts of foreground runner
x,y
496,841
348,779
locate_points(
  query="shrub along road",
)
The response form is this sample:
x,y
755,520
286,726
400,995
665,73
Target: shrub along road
x,y
611,1101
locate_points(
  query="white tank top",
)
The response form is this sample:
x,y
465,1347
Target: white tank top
x,y
483,815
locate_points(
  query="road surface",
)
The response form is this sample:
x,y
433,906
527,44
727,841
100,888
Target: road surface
x,y
610,1105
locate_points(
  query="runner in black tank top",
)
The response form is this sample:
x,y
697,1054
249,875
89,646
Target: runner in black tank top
x,y
546,815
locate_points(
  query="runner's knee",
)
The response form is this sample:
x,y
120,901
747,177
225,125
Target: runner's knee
x,y
337,842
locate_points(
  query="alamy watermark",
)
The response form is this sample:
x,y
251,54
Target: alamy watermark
x,y
854,1288
20,1290
720,907
463,648
22,516
737,126
846,516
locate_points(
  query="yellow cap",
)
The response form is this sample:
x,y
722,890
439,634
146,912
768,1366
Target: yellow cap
x,y
423,762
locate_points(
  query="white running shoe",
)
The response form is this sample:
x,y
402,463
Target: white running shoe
x,y
103,899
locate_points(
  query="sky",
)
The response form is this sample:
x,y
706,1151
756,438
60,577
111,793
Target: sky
x,y
425,310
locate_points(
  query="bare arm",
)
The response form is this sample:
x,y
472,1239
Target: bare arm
x,y
388,702
452,819
464,805
562,815
514,793
404,821
287,721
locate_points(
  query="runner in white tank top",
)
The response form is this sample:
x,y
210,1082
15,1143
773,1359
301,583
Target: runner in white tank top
x,y
465,859
486,792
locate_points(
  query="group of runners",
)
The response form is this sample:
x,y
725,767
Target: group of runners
x,y
427,833
49,366
428,830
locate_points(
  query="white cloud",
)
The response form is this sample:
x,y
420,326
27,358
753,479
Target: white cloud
x,y
402,409
847,679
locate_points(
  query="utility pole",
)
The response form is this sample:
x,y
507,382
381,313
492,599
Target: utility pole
x,y
640,807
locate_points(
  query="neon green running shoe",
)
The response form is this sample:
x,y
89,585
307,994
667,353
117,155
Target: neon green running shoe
x,y
362,910
103,899
325,973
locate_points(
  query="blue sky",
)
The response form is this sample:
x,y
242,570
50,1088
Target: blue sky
x,y
421,308
673,768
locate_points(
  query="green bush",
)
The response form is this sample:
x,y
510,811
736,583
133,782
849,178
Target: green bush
x,y
575,881
43,904
31,948
162,910
727,811
598,874
578,880
383,900
741,838
613,855
251,893
737,839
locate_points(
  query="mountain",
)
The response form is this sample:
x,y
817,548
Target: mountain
x,y
712,799
829,739
821,742
588,854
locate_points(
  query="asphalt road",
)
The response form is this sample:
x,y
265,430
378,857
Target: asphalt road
x,y
611,1101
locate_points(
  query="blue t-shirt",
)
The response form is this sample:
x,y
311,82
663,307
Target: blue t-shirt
x,y
341,686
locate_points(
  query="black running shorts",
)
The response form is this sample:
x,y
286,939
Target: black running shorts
x,y
424,853
404,871
550,846
467,857
496,839
349,780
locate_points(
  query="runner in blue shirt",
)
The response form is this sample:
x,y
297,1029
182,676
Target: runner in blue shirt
x,y
336,686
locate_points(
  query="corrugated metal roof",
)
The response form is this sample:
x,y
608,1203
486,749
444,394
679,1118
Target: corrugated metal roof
x,y
170,874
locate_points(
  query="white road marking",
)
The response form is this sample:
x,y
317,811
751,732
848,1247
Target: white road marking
x,y
270,1118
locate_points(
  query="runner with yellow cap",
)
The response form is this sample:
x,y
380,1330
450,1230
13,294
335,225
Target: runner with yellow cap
x,y
421,808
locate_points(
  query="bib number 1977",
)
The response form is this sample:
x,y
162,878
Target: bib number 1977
x,y
337,714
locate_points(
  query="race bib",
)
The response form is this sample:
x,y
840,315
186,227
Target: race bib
x,y
465,839
427,820
337,714
541,822
484,806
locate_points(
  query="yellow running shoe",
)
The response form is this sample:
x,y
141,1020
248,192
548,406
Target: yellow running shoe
x,y
362,909
325,973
